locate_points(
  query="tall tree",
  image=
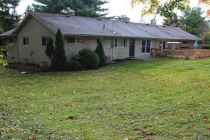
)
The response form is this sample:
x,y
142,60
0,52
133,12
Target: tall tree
x,y
90,8
8,15
150,6
192,21
205,1
59,57
167,9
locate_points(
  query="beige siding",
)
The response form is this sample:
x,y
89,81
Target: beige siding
x,y
72,49
138,48
12,55
113,53
34,52
119,52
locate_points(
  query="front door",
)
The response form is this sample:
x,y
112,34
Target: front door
x,y
132,48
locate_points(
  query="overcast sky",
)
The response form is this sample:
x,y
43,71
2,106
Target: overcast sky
x,y
116,8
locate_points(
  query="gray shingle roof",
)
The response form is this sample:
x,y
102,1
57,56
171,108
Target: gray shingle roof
x,y
8,33
84,26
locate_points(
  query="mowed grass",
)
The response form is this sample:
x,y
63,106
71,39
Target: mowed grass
x,y
158,99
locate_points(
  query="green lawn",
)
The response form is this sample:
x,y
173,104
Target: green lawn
x,y
162,99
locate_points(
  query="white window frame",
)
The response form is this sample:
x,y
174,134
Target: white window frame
x,y
145,47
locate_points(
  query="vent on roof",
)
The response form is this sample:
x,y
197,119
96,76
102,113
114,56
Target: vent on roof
x,y
69,13
122,18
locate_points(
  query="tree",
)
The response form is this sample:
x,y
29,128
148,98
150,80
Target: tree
x,y
50,48
193,22
167,9
89,8
207,40
59,57
150,6
8,15
205,1
100,52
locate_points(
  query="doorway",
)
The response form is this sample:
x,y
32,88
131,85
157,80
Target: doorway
x,y
132,48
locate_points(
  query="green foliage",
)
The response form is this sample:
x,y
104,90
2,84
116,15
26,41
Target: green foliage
x,y
89,8
193,21
8,15
88,59
150,7
74,64
59,57
3,56
167,9
50,48
100,52
170,8
207,40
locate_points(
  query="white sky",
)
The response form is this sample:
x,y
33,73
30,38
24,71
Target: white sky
x,y
116,8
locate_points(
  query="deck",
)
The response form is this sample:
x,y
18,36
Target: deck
x,y
185,53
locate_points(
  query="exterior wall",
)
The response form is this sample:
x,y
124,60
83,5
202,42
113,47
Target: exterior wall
x,y
12,55
138,48
111,51
34,52
119,52
72,49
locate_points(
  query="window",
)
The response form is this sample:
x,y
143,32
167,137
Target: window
x,y
125,43
44,41
146,46
71,39
115,43
143,46
112,43
25,41
164,45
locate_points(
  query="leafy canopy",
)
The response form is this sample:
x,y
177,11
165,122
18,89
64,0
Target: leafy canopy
x,y
89,8
193,22
167,9
8,15
150,6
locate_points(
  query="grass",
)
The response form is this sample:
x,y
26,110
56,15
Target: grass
x,y
161,99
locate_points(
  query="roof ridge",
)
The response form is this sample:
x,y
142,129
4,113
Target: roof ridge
x,y
98,18
84,26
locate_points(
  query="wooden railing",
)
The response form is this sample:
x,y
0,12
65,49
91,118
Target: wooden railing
x,y
182,53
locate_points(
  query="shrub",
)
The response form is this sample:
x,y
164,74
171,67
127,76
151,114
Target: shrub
x,y
100,52
50,48
207,41
59,58
74,64
88,59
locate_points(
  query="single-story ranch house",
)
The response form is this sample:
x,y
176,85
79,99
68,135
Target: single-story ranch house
x,y
120,39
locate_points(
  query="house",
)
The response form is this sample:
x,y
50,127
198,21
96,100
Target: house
x,y
120,39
